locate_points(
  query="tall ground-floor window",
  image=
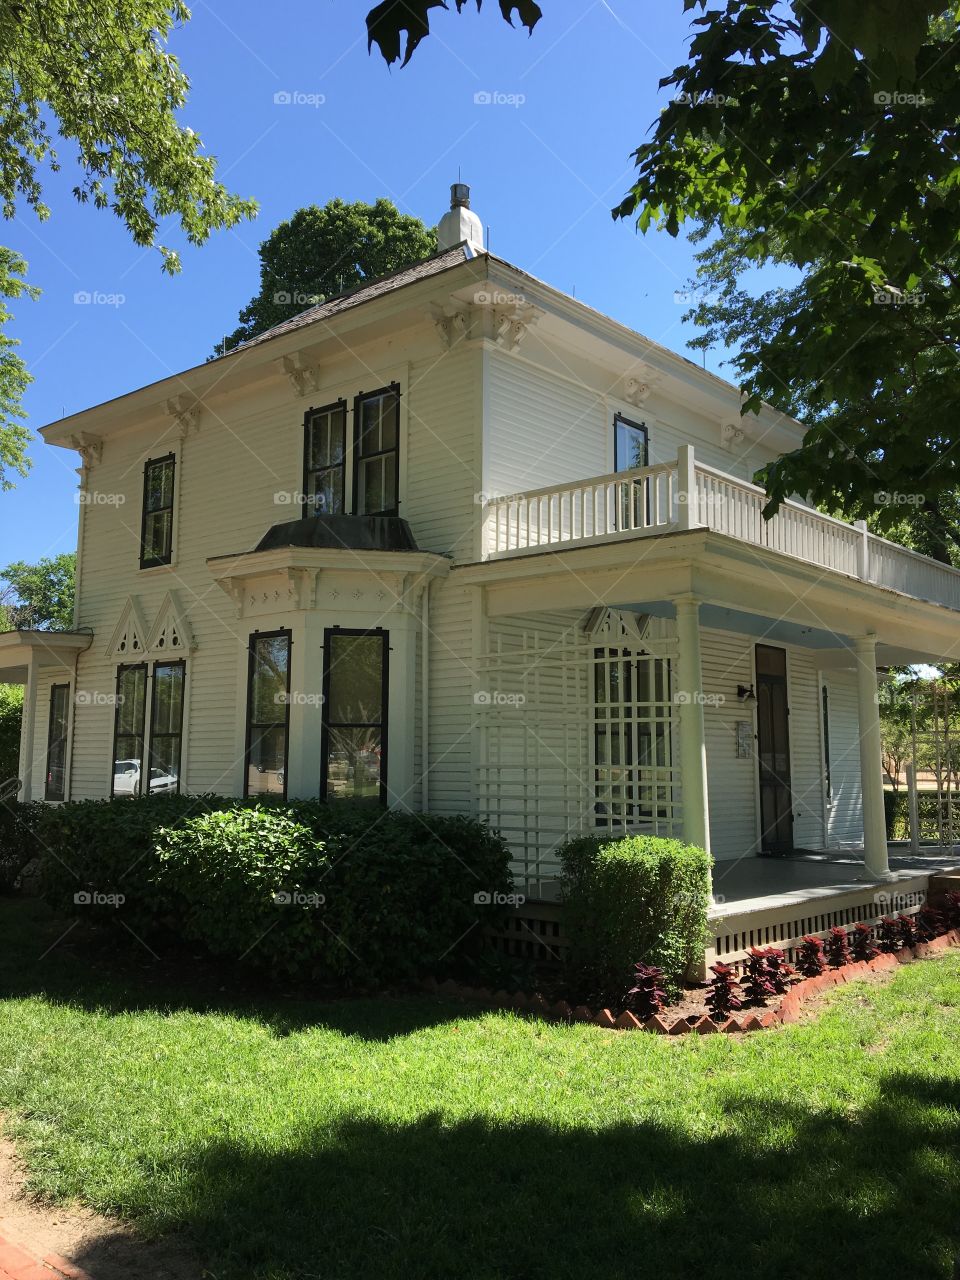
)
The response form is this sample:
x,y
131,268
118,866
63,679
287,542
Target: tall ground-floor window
x,y
268,714
354,749
632,746
166,726
128,729
55,786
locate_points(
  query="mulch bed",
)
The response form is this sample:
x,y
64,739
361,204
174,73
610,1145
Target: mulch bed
x,y
690,1013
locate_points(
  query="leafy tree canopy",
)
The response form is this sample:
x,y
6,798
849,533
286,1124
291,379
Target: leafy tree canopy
x,y
42,593
881,452
390,21
326,250
101,77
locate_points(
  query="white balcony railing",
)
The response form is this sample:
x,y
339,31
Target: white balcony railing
x,y
685,494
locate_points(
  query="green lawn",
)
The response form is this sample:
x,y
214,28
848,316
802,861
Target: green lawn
x,y
411,1138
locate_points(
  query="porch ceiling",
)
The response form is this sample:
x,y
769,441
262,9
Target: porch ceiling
x,y
16,648
821,607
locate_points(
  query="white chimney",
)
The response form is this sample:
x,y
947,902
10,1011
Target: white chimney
x,y
461,223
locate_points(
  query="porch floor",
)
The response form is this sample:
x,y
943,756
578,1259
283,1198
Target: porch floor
x,y
761,884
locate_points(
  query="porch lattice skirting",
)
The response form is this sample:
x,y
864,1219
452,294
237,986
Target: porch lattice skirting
x,y
576,735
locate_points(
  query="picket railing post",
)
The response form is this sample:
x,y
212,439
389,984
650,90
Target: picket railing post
x,y
687,505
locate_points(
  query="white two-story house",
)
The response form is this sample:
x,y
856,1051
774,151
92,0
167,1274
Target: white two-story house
x,y
456,542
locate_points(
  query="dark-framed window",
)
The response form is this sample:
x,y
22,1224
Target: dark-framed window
x,y
128,727
631,444
324,459
353,751
825,722
166,726
268,713
376,430
156,532
55,785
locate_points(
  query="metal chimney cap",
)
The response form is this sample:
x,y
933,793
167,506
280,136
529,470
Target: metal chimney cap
x,y
459,196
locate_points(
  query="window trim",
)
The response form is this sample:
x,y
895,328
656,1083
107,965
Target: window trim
x,y
358,458
149,732
248,723
54,688
384,635
155,561
129,666
636,426
342,467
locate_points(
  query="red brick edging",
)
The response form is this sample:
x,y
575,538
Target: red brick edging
x,y
754,1020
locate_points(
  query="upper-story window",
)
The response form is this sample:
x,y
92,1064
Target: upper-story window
x,y
156,537
324,459
630,444
377,446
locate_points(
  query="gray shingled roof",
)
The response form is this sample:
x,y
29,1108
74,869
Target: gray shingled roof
x,y
365,292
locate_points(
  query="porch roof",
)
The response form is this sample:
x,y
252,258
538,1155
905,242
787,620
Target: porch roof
x,y
17,647
721,570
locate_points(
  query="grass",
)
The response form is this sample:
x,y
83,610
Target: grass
x,y
372,1138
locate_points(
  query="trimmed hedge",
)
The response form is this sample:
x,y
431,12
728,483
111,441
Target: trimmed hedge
x,y
339,892
642,898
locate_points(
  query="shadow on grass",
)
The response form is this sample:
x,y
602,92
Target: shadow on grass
x,y
793,1194
62,961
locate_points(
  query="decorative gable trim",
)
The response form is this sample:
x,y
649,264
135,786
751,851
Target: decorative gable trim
x,y
170,632
617,627
129,640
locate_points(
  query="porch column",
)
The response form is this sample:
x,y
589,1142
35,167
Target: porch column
x,y
871,775
688,697
27,728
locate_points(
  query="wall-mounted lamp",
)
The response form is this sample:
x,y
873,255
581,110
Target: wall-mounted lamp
x,y
746,695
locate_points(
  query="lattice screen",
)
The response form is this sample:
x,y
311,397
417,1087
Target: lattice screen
x,y
576,736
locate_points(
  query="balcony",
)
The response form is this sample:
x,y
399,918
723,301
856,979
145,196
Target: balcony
x,y
682,495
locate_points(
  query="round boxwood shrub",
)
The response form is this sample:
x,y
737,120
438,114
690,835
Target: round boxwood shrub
x,y
641,898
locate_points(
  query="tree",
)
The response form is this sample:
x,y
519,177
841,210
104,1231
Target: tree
x,y
387,22
103,74
887,478
11,715
324,251
827,136
43,593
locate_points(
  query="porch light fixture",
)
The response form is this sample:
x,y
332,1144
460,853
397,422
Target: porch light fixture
x,y
746,695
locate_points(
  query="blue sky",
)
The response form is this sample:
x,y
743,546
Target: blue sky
x,y
545,169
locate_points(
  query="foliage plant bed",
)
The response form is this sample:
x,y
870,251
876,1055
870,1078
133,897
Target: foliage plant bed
x,y
690,1012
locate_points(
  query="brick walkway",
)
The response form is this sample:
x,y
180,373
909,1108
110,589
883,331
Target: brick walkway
x,y
16,1263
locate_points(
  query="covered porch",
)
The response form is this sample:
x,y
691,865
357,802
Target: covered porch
x,y
40,660
625,685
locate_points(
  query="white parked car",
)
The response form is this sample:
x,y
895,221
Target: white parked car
x,y
126,779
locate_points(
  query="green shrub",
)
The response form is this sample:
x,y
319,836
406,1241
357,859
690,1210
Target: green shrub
x,y
399,889
106,849
251,884
642,898
18,839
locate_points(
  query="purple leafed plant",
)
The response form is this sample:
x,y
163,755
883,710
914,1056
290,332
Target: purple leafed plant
x,y
778,971
757,983
888,935
861,942
647,995
722,999
810,963
907,930
837,951
930,923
